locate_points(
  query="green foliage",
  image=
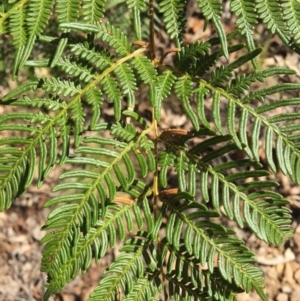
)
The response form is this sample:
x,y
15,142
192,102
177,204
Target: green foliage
x,y
115,185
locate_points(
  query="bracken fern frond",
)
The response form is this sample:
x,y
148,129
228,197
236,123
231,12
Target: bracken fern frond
x,y
129,179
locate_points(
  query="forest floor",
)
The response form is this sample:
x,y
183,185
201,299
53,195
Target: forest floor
x,y
20,250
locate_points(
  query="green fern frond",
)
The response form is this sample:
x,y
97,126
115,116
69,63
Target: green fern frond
x,y
181,166
219,188
182,289
145,69
113,36
16,171
39,13
37,137
93,10
270,12
291,10
80,210
266,224
160,90
130,266
65,88
67,10
72,68
183,87
246,19
240,84
61,87
196,60
223,73
106,32
94,55
17,28
52,103
269,91
259,120
230,188
137,7
234,258
183,90
127,81
166,160
172,11
126,133
95,100
70,14
189,54
77,116
113,93
127,175
101,234
188,279
212,11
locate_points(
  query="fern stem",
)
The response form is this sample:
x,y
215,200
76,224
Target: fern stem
x,y
151,30
155,191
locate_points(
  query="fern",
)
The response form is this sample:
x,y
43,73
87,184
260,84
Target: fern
x,y
247,18
159,192
173,16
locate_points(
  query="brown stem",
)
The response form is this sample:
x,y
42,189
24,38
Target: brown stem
x,y
151,29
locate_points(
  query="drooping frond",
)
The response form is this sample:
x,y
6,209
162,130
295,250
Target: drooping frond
x,y
191,55
130,276
276,126
273,15
37,131
240,84
196,60
97,239
246,19
207,241
137,6
88,202
95,100
212,11
95,55
216,288
224,189
90,208
220,185
68,99
223,73
17,28
160,90
37,18
173,11
291,10
93,10
67,10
